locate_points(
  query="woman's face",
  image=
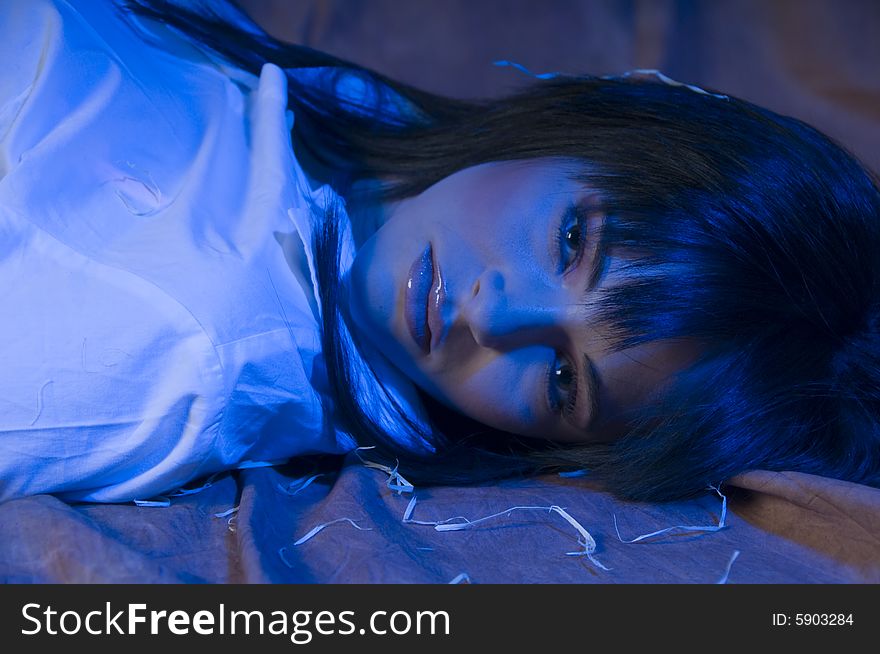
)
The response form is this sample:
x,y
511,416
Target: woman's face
x,y
479,291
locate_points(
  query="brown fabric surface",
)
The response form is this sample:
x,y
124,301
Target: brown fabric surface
x,y
838,519
790,529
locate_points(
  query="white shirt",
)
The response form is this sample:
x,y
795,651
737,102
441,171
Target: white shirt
x,y
159,315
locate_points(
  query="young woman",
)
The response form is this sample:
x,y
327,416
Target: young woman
x,y
224,249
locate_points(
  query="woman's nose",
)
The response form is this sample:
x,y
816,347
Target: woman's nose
x,y
503,316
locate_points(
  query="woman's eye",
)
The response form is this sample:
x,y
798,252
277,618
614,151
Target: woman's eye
x,y
562,386
572,237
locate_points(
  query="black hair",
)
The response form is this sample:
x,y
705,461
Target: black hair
x,y
748,231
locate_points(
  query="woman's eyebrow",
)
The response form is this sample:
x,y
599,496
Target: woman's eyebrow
x,y
590,375
597,261
591,387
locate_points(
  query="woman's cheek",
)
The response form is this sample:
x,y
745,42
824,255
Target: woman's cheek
x,y
499,394
371,294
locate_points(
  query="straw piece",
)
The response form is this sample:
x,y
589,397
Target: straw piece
x,y
303,484
574,473
685,528
191,491
638,71
586,540
160,501
525,70
395,482
430,523
284,558
317,529
461,578
726,574
666,80
409,509
231,514
244,465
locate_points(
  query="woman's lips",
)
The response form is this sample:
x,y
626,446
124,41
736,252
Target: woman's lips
x,y
418,284
436,303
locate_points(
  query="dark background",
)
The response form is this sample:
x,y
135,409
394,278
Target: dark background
x,y
818,60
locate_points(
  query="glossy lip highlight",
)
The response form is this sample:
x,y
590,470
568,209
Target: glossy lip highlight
x,y
436,303
416,294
